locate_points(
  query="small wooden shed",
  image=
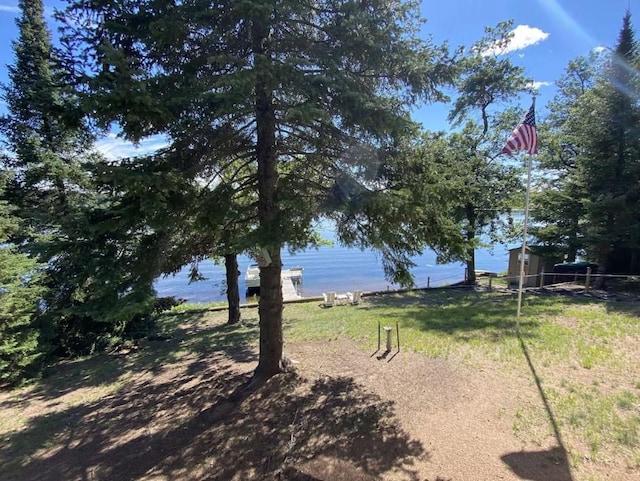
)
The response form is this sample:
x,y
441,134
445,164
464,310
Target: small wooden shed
x,y
533,265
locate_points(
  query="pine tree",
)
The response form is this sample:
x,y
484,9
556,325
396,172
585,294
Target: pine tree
x,y
42,130
557,201
88,295
274,84
21,345
604,124
487,185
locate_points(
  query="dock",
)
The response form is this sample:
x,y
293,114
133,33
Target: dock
x,y
291,280
289,292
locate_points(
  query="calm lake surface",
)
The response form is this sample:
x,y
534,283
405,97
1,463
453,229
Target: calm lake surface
x,y
330,268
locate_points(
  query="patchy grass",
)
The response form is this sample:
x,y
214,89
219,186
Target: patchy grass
x,y
584,351
581,352
196,306
601,420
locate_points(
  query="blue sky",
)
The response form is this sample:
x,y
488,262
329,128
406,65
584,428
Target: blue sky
x,y
549,33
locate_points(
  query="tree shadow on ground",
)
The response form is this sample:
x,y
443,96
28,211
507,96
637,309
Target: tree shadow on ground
x,y
189,336
545,465
183,426
463,314
614,301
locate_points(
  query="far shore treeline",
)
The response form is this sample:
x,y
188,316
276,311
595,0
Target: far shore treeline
x,y
277,118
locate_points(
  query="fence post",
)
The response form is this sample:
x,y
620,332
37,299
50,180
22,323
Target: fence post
x,y
428,282
490,279
542,278
587,281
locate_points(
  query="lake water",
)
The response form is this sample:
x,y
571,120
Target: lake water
x,y
330,268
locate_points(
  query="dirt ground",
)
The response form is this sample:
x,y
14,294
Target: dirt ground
x,y
344,414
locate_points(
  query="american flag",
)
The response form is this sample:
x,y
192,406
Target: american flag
x,y
524,137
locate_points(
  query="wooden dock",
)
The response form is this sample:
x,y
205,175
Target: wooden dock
x,y
289,292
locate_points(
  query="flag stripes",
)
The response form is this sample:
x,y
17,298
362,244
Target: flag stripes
x,y
524,136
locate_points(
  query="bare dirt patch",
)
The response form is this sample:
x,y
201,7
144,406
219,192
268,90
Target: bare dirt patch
x,y
460,415
345,414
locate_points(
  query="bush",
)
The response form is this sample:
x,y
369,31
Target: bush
x,y
163,304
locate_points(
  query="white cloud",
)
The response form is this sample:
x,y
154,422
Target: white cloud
x,y
113,147
523,36
14,9
10,8
537,85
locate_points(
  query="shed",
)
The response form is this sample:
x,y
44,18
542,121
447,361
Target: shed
x,y
534,264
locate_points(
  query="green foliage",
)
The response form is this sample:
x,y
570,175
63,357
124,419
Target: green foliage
x,y
339,79
487,77
557,200
589,205
21,347
21,352
412,199
481,184
92,290
266,107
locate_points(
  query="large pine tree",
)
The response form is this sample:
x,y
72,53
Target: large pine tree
x,y
591,142
485,184
278,84
42,134
604,124
557,201
42,130
61,217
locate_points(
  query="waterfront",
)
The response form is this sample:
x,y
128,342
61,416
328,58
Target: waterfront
x,y
331,268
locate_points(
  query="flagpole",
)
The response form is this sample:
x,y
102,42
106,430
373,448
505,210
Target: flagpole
x,y
524,137
524,232
524,241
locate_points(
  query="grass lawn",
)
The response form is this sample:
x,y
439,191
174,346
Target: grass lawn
x,y
576,356
587,354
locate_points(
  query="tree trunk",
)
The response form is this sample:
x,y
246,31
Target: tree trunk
x,y
471,252
233,292
471,268
572,250
604,251
603,261
270,361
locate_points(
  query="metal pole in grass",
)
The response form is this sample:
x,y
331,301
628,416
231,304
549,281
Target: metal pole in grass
x,y
524,242
524,137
